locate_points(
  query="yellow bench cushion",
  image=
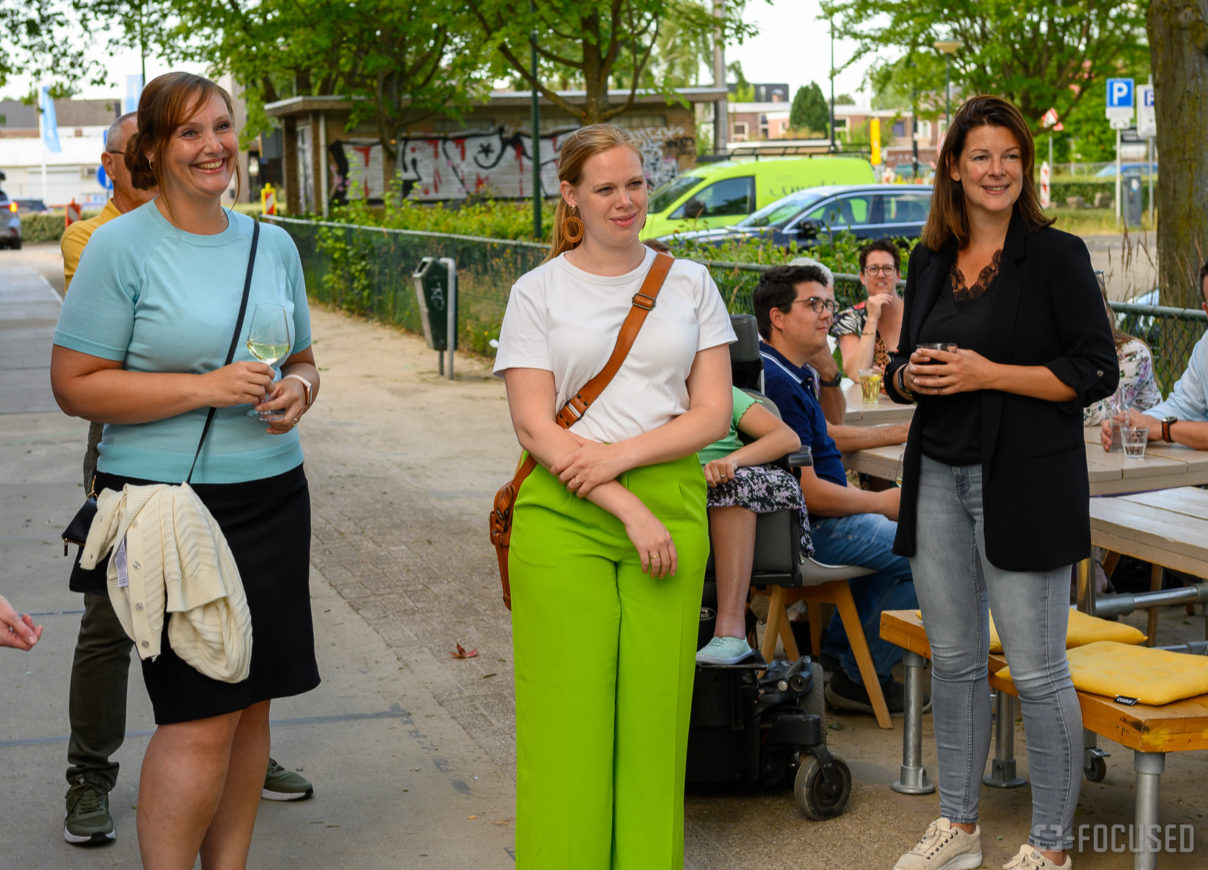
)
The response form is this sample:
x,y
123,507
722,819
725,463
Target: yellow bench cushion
x,y
1082,629
1152,676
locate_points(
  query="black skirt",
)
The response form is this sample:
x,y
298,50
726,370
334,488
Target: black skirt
x,y
267,526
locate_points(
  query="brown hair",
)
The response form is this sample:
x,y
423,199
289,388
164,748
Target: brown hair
x,y
777,288
167,102
886,245
580,145
948,218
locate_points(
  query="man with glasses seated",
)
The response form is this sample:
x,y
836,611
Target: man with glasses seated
x,y
868,331
793,308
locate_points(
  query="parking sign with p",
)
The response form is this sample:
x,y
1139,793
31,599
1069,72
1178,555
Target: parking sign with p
x,y
1120,101
1119,93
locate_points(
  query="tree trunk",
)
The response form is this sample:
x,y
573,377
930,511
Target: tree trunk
x,y
1178,47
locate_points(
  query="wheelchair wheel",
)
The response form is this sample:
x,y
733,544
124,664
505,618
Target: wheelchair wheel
x,y
815,700
815,798
1095,768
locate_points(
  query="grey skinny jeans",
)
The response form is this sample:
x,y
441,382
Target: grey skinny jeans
x,y
956,586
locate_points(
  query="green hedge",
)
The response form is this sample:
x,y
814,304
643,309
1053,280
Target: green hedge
x,y
44,227
1087,188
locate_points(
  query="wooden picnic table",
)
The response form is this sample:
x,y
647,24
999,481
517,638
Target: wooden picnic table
x,y
886,410
1163,467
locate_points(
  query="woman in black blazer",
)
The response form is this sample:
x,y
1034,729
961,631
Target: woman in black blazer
x,y
994,484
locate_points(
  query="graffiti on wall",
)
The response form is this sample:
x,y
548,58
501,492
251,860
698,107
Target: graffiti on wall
x,y
497,163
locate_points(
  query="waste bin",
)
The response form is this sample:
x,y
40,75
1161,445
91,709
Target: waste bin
x,y
1131,197
436,292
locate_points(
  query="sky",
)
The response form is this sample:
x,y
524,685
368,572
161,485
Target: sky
x,y
793,46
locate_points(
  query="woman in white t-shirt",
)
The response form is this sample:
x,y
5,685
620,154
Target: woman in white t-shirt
x,y
609,538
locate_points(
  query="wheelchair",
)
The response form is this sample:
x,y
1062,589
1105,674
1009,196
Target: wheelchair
x,y
763,722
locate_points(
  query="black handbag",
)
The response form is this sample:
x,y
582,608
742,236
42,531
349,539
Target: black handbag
x,y
77,530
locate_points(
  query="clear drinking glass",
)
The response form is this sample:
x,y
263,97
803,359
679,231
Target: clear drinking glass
x,y
268,340
870,386
949,346
1135,438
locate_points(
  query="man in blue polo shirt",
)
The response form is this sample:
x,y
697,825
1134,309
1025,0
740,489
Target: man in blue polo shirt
x,y
849,526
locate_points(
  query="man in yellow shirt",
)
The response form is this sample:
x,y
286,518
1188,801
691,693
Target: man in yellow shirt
x,y
101,666
125,196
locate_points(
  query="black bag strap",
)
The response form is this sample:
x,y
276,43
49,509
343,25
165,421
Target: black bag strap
x,y
247,286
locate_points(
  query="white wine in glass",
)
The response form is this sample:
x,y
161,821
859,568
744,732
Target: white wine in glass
x,y
268,340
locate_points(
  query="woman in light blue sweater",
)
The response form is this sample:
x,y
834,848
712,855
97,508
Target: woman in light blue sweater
x,y
140,347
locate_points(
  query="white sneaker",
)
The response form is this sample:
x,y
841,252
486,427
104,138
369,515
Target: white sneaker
x,y
1029,858
944,847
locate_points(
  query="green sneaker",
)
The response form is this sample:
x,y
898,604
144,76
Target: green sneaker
x,y
88,821
284,785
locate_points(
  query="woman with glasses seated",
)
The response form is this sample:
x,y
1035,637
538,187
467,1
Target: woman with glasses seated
x,y
868,331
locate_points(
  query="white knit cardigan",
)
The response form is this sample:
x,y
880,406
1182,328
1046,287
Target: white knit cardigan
x,y
178,562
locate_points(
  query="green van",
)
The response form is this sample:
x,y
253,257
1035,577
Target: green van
x,y
719,194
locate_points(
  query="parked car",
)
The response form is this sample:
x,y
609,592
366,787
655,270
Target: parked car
x,y
10,223
868,211
31,206
715,195
1146,170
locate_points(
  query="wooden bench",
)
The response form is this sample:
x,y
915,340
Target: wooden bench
x,y
1150,732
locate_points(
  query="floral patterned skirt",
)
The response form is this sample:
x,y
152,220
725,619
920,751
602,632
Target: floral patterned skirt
x,y
764,489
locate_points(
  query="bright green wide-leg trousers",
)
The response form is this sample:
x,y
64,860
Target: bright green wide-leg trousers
x,y
604,662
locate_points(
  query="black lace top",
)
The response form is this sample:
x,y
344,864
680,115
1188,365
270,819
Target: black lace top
x,y
961,314
964,294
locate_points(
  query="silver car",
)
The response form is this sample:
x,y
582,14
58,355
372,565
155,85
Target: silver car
x,y
10,223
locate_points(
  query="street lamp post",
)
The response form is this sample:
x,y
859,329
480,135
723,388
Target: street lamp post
x,y
948,47
832,86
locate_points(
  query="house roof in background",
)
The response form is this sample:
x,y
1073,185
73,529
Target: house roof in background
x,y
18,117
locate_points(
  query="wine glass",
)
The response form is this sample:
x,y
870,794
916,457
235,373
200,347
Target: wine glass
x,y
268,340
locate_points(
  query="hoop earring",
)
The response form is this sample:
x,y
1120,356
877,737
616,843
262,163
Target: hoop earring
x,y
572,229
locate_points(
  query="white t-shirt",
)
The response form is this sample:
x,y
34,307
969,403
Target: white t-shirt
x,y
564,320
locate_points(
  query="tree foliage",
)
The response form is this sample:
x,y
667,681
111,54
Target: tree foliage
x,y
400,61
42,43
1037,54
810,109
593,45
1178,31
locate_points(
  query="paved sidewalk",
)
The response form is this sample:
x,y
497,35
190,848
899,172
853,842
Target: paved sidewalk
x,y
399,783
410,749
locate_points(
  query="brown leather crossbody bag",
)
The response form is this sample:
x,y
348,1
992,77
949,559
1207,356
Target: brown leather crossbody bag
x,y
500,520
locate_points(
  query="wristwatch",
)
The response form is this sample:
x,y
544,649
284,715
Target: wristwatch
x,y
306,385
833,382
1167,422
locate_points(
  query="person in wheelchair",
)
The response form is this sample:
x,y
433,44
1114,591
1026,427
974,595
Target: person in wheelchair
x,y
742,485
793,309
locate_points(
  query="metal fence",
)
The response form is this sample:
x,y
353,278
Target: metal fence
x,y
367,271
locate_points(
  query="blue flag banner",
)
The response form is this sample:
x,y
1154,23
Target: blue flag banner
x,y
134,88
50,124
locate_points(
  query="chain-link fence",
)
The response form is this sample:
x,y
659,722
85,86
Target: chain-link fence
x,y
367,271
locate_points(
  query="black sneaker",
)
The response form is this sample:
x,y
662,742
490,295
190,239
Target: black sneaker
x,y
284,785
801,634
88,821
843,693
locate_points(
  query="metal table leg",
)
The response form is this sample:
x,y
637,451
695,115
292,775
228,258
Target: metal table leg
x,y
913,777
1149,767
1002,770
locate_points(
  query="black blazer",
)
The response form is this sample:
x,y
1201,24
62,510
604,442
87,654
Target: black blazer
x,y
1047,311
